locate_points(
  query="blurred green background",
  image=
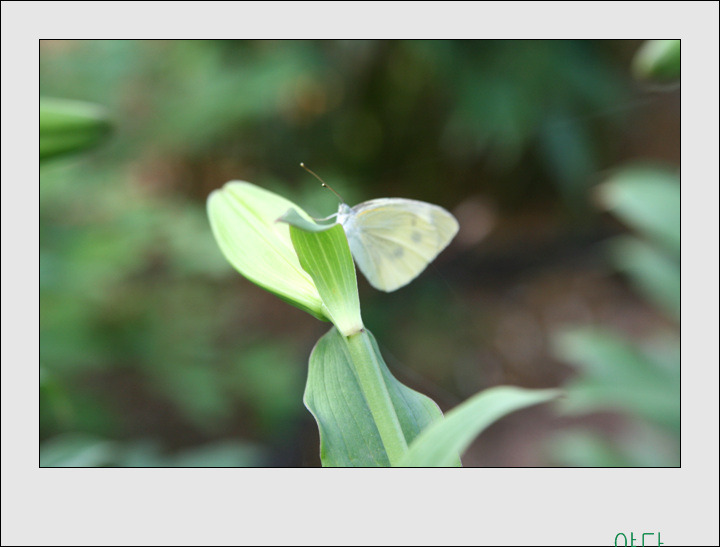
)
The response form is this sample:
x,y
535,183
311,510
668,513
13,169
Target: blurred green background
x,y
154,352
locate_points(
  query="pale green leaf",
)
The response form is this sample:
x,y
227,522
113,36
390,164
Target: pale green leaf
x,y
324,253
244,221
440,444
75,450
585,449
636,445
654,272
658,61
349,434
618,376
648,200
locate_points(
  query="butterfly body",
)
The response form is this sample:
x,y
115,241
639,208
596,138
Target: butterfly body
x,y
394,239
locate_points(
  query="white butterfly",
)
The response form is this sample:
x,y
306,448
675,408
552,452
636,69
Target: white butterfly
x,y
394,239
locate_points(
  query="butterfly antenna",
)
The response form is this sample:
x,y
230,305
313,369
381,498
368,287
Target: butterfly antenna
x,y
324,184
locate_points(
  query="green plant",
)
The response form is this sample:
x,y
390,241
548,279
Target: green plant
x,y
365,416
82,450
146,332
658,61
640,380
68,127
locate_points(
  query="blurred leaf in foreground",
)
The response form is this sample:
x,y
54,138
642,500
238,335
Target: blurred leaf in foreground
x,y
619,376
647,199
70,126
638,447
77,450
658,61
656,274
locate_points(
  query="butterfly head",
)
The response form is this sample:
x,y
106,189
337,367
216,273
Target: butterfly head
x,y
344,212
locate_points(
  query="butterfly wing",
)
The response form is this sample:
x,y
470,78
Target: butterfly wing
x,y
394,239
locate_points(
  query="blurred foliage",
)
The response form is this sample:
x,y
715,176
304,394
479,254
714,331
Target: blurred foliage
x,y
438,110
658,61
638,379
87,451
648,200
641,380
149,336
69,126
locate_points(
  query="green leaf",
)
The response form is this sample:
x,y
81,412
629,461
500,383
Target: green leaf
x,y
344,393
582,448
648,200
220,454
75,450
325,254
439,444
244,218
618,376
655,274
658,61
70,126
586,449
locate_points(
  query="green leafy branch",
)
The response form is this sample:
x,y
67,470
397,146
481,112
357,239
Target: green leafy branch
x,y
366,417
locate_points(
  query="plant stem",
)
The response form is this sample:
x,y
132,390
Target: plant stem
x,y
375,391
